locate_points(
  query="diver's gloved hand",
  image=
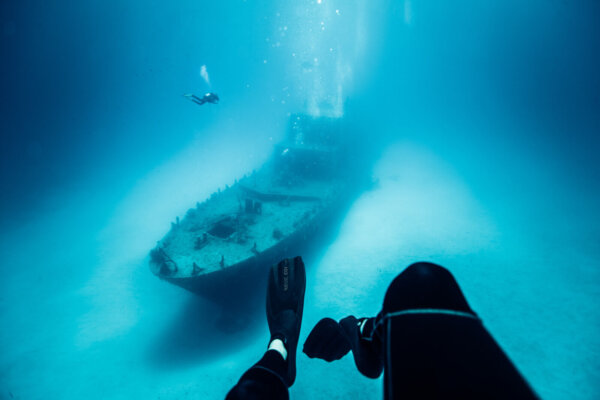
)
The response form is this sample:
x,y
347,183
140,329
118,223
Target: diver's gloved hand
x,y
327,341
330,341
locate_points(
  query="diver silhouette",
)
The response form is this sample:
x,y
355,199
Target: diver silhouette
x,y
209,97
426,340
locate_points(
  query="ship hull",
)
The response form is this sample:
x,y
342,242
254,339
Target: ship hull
x,y
223,248
243,280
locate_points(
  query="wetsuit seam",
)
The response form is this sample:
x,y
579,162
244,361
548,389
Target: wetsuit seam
x,y
272,372
427,311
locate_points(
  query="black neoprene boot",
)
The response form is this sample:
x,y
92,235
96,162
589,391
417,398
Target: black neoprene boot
x,y
330,340
366,349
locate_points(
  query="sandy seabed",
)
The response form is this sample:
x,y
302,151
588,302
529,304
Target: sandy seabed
x,y
82,316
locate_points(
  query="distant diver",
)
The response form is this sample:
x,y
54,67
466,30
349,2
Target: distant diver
x,y
212,98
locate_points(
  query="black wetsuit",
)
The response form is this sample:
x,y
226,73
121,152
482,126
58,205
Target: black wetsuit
x,y
432,346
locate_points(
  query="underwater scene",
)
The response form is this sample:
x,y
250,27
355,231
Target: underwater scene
x,y
158,158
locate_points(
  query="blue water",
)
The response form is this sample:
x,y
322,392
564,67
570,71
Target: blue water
x,y
485,118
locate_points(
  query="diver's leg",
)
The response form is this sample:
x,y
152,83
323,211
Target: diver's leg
x,y
424,285
263,380
435,346
198,101
330,340
271,377
421,285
